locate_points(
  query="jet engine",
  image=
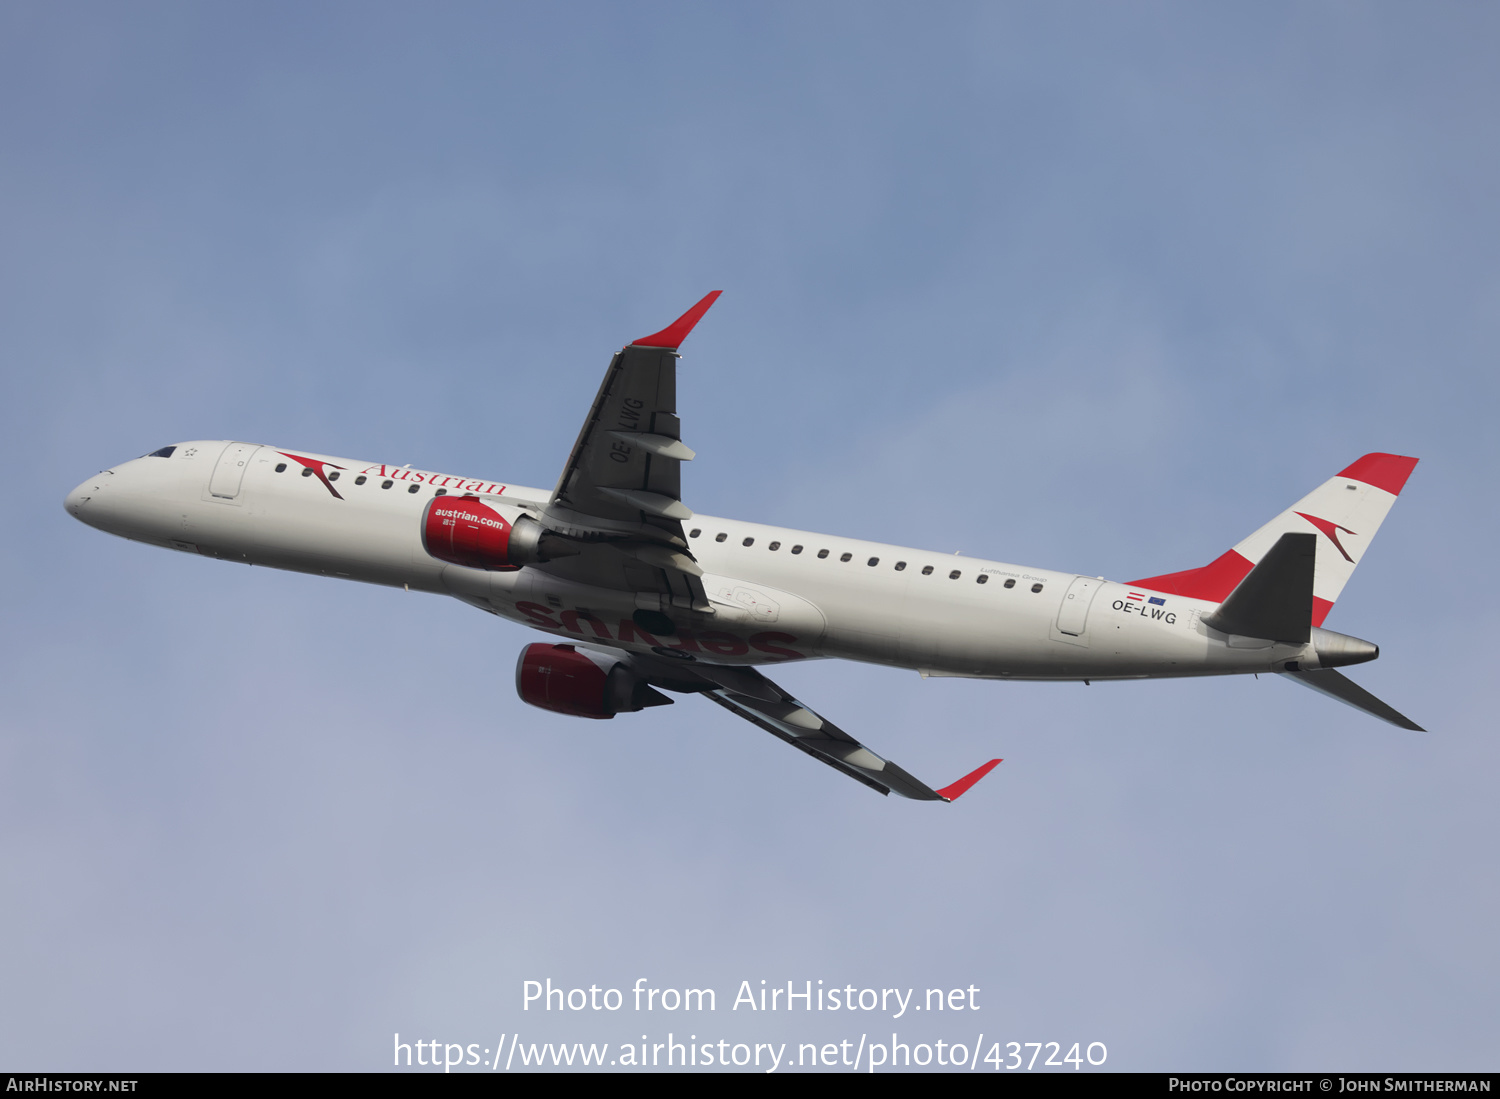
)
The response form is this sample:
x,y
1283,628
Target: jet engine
x,y
582,683
469,531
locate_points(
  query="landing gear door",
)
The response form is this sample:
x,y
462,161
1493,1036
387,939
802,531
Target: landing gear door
x,y
1073,615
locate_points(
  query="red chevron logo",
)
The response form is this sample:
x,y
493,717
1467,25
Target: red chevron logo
x,y
1331,529
316,466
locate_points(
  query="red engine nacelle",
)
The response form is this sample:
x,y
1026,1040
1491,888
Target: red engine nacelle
x,y
464,530
560,678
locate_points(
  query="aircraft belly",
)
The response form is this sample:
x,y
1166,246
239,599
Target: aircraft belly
x,y
751,623
863,628
359,544
152,518
215,530
1008,640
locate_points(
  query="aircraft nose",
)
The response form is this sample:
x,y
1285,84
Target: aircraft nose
x,y
83,499
76,499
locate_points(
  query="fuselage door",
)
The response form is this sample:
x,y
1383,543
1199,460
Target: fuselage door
x,y
1073,616
230,470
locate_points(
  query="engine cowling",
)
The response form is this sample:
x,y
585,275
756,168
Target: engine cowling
x,y
468,531
582,684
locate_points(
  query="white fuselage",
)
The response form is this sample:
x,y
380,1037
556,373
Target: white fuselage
x,y
777,594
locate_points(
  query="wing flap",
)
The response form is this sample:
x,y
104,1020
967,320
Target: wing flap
x,y
735,704
755,698
659,556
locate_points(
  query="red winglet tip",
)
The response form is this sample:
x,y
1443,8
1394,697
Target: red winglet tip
x,y
1384,471
673,335
959,788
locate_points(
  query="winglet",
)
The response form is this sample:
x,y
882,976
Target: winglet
x,y
673,335
959,788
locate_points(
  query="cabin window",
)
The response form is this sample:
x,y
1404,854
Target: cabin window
x,y
695,532
774,546
307,471
360,479
822,554
280,467
954,575
1010,583
748,542
1036,587
982,578
334,476
872,562
796,549
441,492
720,537
386,484
414,488
846,557
900,565
926,570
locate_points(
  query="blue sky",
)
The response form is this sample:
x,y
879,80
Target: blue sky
x,y
1091,287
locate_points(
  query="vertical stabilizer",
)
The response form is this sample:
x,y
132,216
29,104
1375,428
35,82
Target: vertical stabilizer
x,y
1344,513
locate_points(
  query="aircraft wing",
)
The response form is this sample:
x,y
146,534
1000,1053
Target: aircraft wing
x,y
744,691
621,488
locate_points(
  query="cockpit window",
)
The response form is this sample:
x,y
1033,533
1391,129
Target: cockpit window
x,y
164,452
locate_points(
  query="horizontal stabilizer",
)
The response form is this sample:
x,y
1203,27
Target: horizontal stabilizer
x,y
1337,685
1275,599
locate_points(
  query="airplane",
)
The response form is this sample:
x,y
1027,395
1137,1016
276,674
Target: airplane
x,y
646,597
